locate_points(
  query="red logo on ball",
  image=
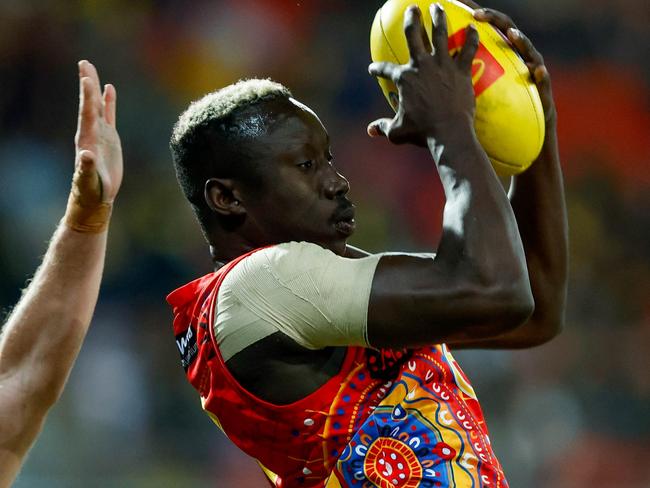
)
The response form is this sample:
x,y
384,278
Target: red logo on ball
x,y
486,70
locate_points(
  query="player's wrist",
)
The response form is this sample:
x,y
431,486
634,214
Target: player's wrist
x,y
86,211
87,219
459,126
457,132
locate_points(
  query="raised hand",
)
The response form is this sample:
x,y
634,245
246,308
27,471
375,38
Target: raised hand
x,y
530,55
98,161
435,90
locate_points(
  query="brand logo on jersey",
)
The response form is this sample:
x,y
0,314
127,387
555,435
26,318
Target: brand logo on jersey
x,y
187,347
486,70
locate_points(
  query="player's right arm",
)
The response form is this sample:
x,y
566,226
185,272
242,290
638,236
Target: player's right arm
x,y
477,285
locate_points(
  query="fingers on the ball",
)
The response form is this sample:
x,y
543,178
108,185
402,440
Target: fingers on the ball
x,y
384,69
110,106
480,14
413,30
500,20
524,46
469,49
541,76
471,4
439,32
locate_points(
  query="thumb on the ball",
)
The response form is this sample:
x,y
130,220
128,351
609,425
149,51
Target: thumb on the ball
x,y
379,127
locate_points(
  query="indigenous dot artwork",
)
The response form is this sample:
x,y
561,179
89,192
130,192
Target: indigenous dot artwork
x,y
428,431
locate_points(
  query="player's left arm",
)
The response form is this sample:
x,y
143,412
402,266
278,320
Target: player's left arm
x,y
537,198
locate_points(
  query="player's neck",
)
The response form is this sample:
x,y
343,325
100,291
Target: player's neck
x,y
223,251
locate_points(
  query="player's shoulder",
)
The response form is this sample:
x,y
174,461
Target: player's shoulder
x,y
284,259
295,254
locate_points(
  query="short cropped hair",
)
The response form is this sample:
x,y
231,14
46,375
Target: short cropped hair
x,y
211,139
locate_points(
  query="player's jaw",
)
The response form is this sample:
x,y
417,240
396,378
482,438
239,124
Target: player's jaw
x,y
284,218
329,225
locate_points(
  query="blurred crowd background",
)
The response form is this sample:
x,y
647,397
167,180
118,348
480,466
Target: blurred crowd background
x,y
572,414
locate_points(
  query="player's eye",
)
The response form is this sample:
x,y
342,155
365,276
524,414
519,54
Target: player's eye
x,y
306,164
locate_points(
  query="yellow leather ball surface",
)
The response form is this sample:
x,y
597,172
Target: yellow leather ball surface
x,y
509,120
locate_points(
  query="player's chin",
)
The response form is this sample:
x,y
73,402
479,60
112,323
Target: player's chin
x,y
342,231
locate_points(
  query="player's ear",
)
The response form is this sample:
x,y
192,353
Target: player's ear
x,y
223,197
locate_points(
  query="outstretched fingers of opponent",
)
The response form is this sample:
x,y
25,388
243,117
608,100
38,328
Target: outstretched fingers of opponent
x,y
110,99
96,108
95,102
98,162
91,109
87,130
94,105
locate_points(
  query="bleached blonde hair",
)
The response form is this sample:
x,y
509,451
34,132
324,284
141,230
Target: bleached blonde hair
x,y
224,102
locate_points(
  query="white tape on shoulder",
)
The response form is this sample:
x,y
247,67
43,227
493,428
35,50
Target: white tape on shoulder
x,y
315,297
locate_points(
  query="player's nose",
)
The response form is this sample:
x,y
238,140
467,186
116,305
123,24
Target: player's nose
x,y
336,185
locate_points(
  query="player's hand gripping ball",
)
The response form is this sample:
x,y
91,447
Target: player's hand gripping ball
x,y
509,120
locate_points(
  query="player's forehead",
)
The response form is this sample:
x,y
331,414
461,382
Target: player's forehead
x,y
292,125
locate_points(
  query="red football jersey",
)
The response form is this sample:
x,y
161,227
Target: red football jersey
x,y
388,419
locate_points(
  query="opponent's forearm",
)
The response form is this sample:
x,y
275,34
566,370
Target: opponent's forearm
x,y
43,335
479,226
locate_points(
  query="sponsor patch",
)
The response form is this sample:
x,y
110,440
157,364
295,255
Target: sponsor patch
x,y
187,347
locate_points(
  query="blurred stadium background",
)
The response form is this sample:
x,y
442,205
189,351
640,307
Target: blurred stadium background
x,y
574,413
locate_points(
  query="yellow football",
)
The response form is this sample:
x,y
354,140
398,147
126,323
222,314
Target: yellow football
x,y
509,120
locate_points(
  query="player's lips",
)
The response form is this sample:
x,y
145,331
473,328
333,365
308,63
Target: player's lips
x,y
344,221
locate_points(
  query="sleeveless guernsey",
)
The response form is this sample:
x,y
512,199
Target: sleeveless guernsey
x,y
405,419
